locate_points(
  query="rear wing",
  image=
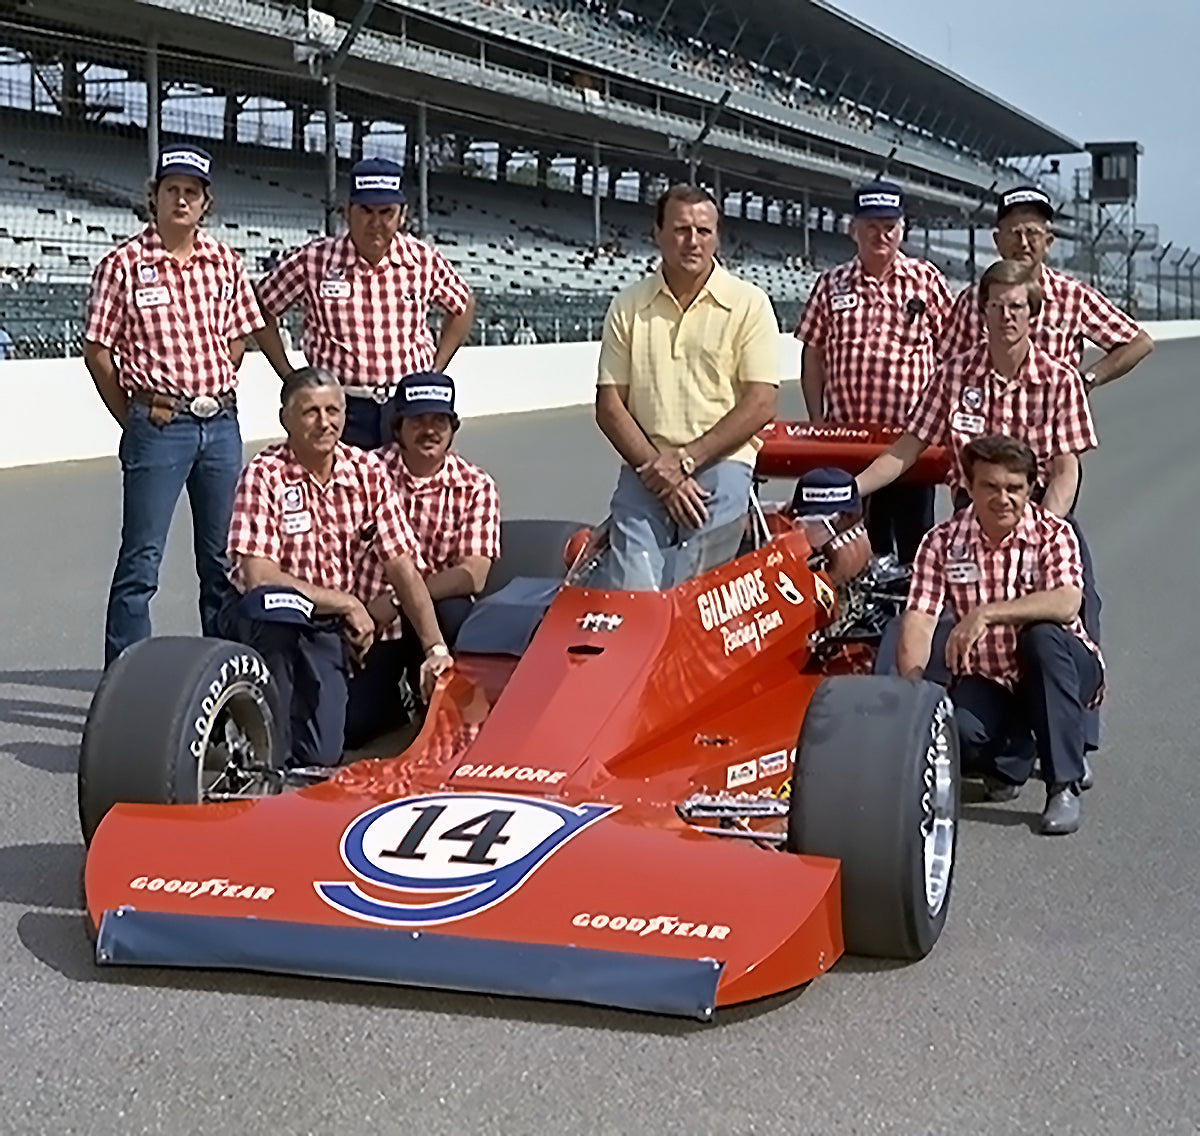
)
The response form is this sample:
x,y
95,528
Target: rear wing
x,y
791,449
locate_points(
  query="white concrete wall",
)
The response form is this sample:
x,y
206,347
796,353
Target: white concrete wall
x,y
51,412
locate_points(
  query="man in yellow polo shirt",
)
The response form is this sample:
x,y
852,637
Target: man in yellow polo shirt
x,y
689,371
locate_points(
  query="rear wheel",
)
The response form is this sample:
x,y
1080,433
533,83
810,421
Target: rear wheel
x,y
876,787
178,721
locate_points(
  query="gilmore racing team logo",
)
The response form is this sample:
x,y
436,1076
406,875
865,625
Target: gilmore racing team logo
x,y
478,845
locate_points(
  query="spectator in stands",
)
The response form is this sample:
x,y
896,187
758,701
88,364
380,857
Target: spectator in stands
x,y
307,512
524,335
454,510
1023,668
689,370
870,331
8,349
494,334
167,319
366,297
1071,311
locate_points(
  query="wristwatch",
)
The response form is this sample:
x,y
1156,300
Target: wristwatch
x,y
687,463
438,649
1089,380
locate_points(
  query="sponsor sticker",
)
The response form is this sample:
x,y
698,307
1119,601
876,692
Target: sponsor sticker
x,y
879,200
826,494
511,773
295,523
147,273
741,774
469,850
788,590
772,764
293,498
843,433
972,397
844,301
433,392
194,889
186,158
655,925
598,621
825,595
377,181
728,601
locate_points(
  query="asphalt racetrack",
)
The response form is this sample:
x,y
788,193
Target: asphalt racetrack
x,y
1063,996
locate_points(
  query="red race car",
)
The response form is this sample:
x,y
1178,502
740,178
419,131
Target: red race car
x,y
666,799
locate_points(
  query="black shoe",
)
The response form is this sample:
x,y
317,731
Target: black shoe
x,y
1061,815
998,790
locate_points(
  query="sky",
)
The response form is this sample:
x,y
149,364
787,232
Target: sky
x,y
1096,70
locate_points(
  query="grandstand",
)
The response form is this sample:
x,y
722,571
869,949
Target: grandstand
x,y
535,133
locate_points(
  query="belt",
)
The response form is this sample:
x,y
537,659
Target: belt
x,y
375,394
201,405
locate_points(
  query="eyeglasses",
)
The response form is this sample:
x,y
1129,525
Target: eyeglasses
x,y
1007,309
1031,235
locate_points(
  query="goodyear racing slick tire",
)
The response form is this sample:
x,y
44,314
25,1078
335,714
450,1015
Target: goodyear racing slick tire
x,y
876,786
531,548
178,720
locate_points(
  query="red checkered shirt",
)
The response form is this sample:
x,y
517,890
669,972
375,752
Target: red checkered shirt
x,y
169,322
454,514
1071,312
367,324
957,565
1044,404
321,534
878,355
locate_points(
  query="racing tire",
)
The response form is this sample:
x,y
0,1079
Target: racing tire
x,y
531,548
876,786
175,719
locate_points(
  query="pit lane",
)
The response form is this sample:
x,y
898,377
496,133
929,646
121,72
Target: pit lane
x,y
1062,996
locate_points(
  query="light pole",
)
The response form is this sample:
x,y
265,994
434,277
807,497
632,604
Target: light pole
x,y
1182,257
1192,286
1158,261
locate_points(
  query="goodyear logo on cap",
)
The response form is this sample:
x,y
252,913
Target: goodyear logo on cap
x,y
1020,196
377,181
822,494
876,200
436,393
186,158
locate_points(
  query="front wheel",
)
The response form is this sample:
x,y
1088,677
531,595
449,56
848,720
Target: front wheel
x,y
876,786
178,720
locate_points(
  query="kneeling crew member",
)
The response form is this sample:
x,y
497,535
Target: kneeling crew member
x,y
454,509
307,513
1020,659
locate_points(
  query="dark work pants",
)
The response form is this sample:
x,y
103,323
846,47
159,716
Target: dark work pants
x,y
308,662
897,516
1059,676
368,423
376,702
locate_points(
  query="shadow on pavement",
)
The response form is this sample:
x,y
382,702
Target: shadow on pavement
x,y
42,875
50,757
83,680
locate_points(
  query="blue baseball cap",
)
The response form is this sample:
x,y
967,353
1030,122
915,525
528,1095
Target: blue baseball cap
x,y
883,199
377,181
1025,197
424,392
184,159
822,492
276,605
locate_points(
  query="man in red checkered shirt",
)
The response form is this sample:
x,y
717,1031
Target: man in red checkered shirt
x,y
366,298
309,512
454,510
1005,384
1071,311
166,324
870,331
1024,669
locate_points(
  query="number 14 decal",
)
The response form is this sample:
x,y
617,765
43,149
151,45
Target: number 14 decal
x,y
483,846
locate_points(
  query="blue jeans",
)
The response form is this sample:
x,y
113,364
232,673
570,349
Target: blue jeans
x,y
157,462
642,529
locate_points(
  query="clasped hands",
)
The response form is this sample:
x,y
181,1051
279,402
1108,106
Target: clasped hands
x,y
680,494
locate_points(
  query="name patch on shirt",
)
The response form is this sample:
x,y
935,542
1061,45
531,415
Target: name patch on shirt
x,y
152,297
335,289
293,498
843,301
294,523
968,423
962,572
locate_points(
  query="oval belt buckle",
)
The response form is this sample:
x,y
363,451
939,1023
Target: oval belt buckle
x,y
381,395
204,406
